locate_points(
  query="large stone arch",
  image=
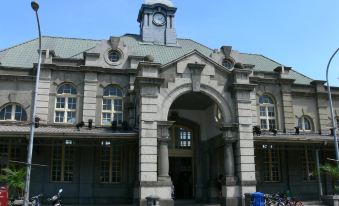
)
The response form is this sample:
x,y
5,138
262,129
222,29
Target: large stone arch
x,y
182,89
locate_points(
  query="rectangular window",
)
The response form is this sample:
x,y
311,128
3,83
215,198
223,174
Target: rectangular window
x,y
118,118
263,124
118,105
263,111
183,138
72,103
110,162
59,116
107,104
60,103
8,151
62,161
106,118
270,111
272,123
70,117
308,165
272,171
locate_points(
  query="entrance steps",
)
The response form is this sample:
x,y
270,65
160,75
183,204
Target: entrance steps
x,y
313,203
191,203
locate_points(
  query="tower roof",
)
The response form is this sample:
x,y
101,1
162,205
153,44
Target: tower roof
x,y
164,2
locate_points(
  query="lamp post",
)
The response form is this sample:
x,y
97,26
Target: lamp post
x,y
35,7
331,109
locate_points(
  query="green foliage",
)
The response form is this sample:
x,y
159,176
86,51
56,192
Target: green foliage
x,y
15,180
333,172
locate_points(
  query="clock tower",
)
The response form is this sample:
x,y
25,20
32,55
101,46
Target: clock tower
x,y
156,18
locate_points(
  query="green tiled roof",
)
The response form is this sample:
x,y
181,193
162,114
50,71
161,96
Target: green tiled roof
x,y
25,54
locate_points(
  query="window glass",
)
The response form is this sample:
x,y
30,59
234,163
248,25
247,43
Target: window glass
x,y
267,113
272,171
110,162
304,123
308,165
13,112
62,161
66,104
112,105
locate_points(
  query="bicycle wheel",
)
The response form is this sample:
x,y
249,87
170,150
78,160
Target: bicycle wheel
x,y
269,203
299,203
288,203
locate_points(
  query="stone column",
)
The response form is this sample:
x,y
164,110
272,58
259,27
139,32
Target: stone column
x,y
244,145
229,181
163,160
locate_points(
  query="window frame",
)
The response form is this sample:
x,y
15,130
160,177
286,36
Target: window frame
x,y
66,144
12,151
112,147
13,113
269,164
266,106
308,165
301,123
112,111
185,151
66,110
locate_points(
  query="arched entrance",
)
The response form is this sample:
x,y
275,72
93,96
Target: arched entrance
x,y
196,127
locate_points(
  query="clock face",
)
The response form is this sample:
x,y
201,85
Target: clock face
x,y
159,19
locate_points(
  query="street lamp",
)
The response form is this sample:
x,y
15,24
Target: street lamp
x,y
35,7
331,109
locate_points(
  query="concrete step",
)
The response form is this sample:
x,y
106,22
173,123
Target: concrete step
x,y
313,203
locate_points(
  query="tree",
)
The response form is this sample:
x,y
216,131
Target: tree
x,y
333,172
15,180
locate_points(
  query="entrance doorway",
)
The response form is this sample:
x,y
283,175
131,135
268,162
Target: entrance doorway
x,y
181,161
182,177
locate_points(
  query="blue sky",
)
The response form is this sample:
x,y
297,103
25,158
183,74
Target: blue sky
x,y
298,33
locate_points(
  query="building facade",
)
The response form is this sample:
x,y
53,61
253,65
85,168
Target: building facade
x,y
151,114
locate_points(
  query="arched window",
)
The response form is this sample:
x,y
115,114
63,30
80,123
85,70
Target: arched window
x,y
13,112
305,123
66,104
267,113
112,105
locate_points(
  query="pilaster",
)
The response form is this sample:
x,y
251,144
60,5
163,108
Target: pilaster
x,y
42,101
287,104
244,146
147,84
322,106
90,93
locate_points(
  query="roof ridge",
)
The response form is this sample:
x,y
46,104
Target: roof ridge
x,y
17,45
62,37
56,37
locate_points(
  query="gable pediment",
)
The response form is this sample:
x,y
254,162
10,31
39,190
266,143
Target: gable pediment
x,y
195,57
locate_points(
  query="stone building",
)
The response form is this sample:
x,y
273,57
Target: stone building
x,y
162,116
